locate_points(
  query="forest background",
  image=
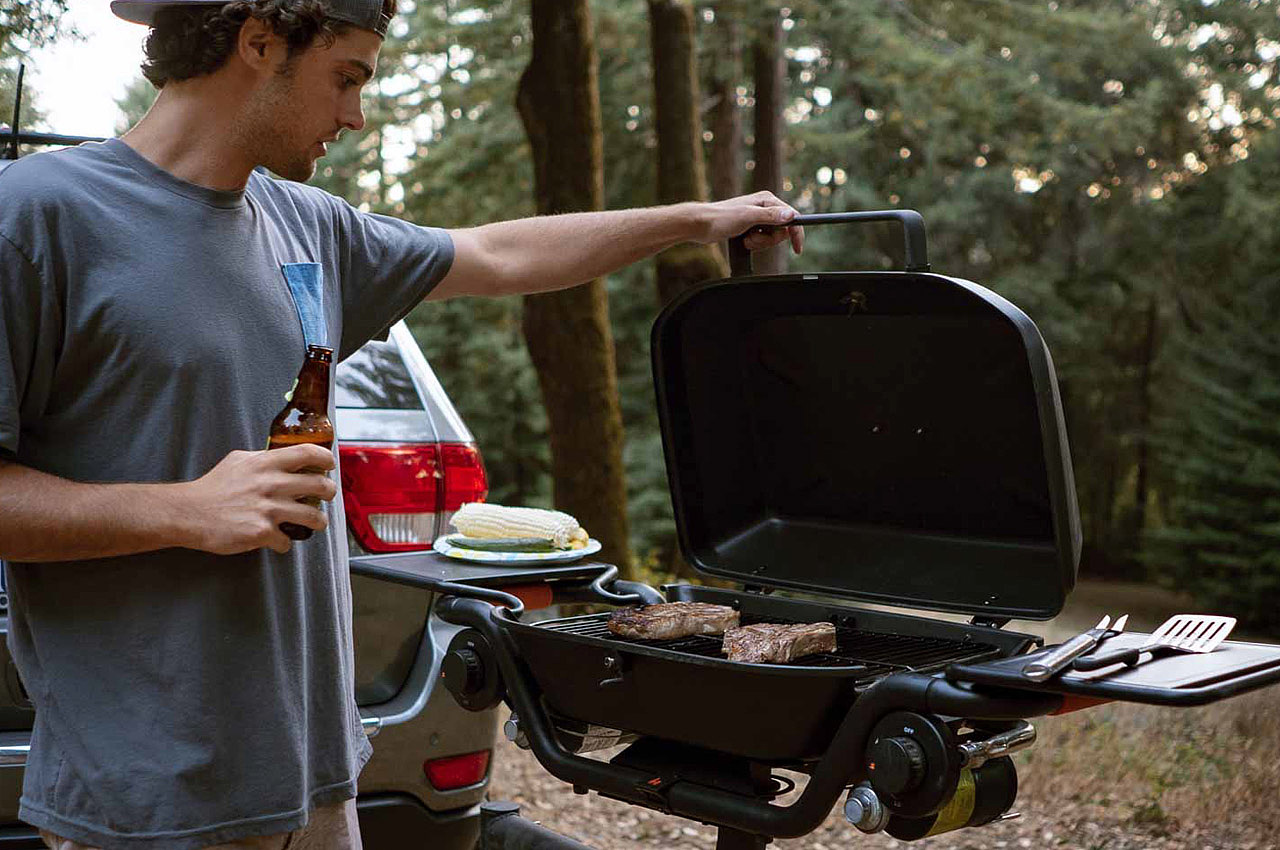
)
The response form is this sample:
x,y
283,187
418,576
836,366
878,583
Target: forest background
x,y
1111,167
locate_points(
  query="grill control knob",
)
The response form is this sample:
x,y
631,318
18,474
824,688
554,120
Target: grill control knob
x,y
463,672
470,672
896,764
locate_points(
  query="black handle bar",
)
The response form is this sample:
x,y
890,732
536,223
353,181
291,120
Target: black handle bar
x,y
842,765
621,592
598,590
917,253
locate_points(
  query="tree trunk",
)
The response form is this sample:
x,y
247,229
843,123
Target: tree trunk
x,y
726,117
1144,425
568,332
681,172
769,72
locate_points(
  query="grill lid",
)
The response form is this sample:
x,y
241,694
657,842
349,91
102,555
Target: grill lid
x,y
887,436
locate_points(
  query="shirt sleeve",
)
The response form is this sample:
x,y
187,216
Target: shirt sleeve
x,y
30,331
388,267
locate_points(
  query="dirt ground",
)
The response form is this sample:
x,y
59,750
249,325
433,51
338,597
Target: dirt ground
x,y
1119,777
1071,825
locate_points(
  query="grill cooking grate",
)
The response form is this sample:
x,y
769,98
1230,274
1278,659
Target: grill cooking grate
x,y
878,653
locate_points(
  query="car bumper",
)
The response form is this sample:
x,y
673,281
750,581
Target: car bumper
x,y
398,820
386,821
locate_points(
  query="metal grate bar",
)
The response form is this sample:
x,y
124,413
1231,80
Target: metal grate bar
x,y
878,653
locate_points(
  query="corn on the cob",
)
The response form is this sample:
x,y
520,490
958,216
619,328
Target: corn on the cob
x,y
479,519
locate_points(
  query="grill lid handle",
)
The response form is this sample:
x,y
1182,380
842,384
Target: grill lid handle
x,y
611,590
917,253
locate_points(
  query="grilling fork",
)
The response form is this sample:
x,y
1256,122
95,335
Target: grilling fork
x,y
1181,633
1057,660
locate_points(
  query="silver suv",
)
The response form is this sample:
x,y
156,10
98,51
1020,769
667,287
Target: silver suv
x,y
407,462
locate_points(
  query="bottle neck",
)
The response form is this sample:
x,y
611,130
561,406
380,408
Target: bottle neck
x,y
312,391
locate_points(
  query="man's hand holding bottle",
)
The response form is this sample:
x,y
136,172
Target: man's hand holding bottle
x,y
240,504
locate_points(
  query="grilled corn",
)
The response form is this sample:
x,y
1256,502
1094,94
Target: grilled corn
x,y
479,519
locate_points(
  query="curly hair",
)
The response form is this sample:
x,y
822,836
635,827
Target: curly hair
x,y
191,41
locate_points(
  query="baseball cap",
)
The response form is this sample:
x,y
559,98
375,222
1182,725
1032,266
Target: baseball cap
x,y
366,14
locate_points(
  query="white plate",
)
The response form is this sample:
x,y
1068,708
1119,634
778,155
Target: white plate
x,y
484,556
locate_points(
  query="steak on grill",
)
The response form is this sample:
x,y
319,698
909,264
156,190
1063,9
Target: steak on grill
x,y
670,620
778,643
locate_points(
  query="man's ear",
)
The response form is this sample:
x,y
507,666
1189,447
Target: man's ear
x,y
259,47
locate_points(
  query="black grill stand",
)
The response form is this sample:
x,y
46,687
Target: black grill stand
x,y
502,828
732,839
761,782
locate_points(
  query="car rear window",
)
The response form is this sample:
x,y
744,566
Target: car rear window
x,y
375,377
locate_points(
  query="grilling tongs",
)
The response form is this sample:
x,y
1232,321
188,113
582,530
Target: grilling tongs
x,y
1057,660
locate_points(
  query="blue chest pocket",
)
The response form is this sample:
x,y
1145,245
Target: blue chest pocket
x,y
306,285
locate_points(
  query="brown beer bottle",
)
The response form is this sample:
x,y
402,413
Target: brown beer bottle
x,y
305,419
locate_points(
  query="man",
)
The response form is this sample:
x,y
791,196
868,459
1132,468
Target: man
x,y
191,668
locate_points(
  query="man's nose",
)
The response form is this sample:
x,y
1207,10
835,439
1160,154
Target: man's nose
x,y
354,118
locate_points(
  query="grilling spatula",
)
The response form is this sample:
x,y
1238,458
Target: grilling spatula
x,y
1055,661
1179,633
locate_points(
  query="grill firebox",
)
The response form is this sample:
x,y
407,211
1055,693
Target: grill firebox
x,y
686,691
867,655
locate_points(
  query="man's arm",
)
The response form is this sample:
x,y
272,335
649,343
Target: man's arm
x,y
236,507
554,252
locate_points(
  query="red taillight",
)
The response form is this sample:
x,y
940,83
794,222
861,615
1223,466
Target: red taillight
x,y
393,491
464,476
453,772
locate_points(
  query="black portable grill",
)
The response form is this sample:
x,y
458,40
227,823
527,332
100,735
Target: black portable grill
x,y
884,437
891,437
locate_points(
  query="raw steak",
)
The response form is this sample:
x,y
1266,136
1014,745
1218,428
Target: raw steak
x,y
778,643
672,620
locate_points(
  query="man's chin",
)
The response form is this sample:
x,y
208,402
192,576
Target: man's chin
x,y
299,170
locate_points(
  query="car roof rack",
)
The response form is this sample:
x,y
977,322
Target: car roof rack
x,y
12,137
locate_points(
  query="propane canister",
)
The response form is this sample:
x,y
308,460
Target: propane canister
x,y
983,794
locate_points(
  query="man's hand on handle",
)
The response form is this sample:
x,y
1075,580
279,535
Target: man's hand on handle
x,y
735,216
239,504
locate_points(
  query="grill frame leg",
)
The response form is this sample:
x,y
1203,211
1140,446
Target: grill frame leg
x,y
734,839
502,828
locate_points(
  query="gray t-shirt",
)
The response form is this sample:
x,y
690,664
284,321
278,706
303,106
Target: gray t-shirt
x,y
146,330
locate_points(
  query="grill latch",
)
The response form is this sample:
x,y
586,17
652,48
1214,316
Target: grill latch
x,y
614,665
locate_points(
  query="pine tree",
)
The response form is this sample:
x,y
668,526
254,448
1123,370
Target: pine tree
x,y
1220,443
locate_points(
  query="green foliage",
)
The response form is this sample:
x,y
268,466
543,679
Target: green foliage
x,y
1038,140
1219,428
134,103
26,24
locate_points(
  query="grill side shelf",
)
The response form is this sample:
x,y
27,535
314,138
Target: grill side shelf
x,y
1233,668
